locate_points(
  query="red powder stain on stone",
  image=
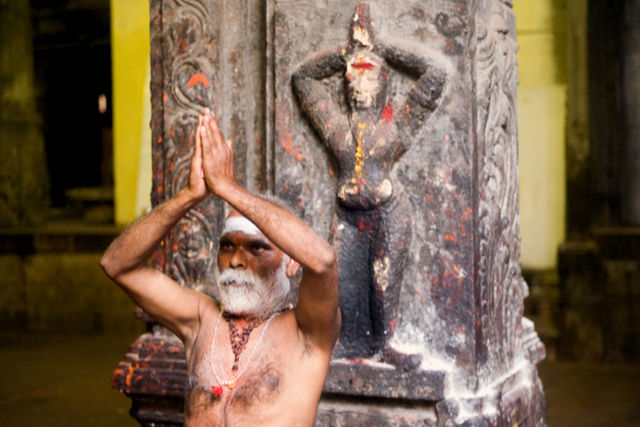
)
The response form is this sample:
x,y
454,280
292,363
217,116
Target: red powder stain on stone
x,y
362,66
159,139
407,110
393,324
387,113
164,96
331,171
449,237
467,212
449,213
198,78
364,225
429,197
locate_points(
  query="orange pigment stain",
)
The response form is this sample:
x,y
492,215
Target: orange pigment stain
x,y
159,139
429,197
164,96
127,380
407,110
359,164
198,78
449,237
287,143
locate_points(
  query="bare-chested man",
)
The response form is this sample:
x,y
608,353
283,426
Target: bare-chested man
x,y
250,363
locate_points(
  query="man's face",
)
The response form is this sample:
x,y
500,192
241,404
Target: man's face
x,y
252,278
363,77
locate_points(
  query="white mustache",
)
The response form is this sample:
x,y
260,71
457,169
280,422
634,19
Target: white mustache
x,y
239,277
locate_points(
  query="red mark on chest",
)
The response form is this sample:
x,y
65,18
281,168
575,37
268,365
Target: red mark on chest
x,y
387,113
198,78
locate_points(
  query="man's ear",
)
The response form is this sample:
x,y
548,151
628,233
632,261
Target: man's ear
x,y
292,267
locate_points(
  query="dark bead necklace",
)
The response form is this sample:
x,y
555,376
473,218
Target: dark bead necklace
x,y
239,337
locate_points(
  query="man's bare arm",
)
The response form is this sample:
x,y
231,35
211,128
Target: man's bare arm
x,y
317,310
125,261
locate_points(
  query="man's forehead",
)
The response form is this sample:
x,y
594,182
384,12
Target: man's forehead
x,y
235,222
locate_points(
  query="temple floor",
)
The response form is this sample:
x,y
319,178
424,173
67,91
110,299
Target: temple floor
x,y
64,381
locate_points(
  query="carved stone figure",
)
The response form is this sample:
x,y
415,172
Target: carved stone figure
x,y
372,227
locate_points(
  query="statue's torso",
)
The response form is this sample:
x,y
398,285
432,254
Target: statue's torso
x,y
365,153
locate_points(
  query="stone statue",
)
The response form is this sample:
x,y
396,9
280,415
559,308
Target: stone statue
x,y
372,227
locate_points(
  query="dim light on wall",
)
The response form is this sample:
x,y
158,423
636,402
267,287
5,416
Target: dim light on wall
x,y
102,103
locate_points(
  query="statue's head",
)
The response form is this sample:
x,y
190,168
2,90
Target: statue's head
x,y
366,76
253,273
366,72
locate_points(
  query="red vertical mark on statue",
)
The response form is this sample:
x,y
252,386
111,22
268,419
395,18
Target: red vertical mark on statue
x,y
387,113
198,78
361,20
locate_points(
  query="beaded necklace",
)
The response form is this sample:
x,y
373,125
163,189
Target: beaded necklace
x,y
238,343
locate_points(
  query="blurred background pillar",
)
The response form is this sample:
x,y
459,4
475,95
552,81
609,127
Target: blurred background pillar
x,y
631,112
24,185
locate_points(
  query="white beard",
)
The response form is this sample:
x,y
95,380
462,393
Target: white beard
x,y
249,295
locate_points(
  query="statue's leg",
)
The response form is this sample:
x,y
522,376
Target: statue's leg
x,y
390,249
354,279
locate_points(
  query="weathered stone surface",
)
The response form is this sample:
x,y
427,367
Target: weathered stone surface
x,y
360,378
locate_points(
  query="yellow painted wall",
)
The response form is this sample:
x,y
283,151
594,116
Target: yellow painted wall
x,y
131,108
542,103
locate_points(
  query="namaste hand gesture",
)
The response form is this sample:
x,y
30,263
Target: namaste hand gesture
x,y
212,162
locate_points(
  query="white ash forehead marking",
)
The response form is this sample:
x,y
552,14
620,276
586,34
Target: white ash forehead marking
x,y
239,223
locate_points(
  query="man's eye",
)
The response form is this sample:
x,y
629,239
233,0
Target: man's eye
x,y
258,247
225,244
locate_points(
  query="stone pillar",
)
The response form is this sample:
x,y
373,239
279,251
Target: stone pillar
x,y
24,194
422,195
631,106
461,294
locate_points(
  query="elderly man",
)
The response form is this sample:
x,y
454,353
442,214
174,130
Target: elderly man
x,y
250,361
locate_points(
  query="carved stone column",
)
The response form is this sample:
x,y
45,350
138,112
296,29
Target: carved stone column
x,y
433,245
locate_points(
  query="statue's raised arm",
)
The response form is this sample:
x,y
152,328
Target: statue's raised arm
x,y
314,99
423,97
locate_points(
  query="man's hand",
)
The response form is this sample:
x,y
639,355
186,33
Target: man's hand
x,y
217,154
197,187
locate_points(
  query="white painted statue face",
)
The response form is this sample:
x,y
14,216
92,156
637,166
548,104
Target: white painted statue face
x,y
363,76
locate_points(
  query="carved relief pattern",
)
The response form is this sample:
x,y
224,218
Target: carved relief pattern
x,y
501,285
185,77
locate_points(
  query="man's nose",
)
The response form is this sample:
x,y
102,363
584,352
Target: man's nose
x,y
238,259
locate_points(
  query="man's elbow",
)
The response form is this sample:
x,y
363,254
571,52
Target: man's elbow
x,y
109,266
327,261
